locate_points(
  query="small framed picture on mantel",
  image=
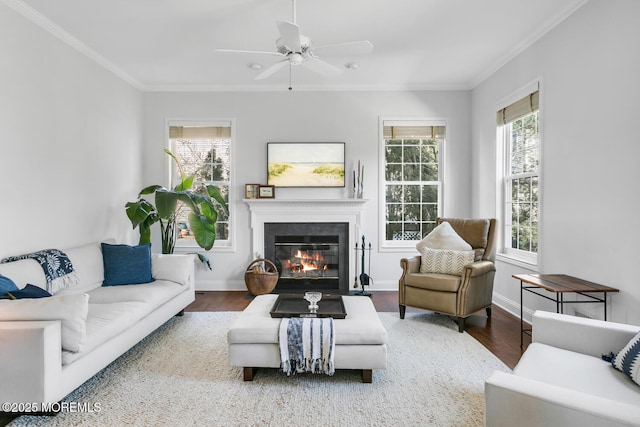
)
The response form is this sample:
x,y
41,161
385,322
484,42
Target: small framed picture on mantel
x,y
266,192
251,191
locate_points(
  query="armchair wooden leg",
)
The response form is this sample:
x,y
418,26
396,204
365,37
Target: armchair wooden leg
x,y
461,324
403,309
488,309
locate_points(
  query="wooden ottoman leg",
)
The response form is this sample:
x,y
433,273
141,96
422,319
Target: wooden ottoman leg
x,y
248,373
367,376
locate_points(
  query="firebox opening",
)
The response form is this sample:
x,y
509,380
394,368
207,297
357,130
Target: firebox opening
x,y
309,256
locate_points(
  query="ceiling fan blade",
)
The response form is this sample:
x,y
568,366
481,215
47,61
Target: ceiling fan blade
x,y
290,35
272,69
321,67
362,47
264,52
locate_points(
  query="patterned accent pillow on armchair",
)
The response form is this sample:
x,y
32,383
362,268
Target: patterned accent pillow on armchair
x,y
445,261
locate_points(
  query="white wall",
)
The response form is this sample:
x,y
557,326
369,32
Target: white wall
x,y
590,106
70,145
351,117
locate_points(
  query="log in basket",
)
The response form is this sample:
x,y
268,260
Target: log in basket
x,y
261,277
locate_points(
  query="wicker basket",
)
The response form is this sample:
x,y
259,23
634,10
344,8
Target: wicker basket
x,y
261,280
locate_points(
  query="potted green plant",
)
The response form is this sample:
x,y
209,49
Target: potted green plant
x,y
203,201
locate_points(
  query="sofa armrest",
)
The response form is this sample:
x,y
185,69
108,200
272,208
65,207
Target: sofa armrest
x,y
587,336
30,361
511,400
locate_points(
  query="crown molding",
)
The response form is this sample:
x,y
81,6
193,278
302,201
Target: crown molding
x,y
57,31
544,29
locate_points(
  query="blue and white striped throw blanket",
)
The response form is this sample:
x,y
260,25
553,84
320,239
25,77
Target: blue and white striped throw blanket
x,y
56,265
307,345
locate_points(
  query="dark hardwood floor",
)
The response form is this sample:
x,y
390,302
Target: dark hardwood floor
x,y
500,333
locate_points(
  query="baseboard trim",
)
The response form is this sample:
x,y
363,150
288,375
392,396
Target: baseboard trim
x,y
512,307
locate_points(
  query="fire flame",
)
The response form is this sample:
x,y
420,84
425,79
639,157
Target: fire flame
x,y
310,261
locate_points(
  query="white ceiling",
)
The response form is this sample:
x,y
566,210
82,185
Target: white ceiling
x,y
418,44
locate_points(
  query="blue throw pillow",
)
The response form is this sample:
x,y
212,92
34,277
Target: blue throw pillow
x,y
7,285
628,359
29,291
126,265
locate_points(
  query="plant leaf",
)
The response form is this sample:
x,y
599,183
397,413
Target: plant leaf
x,y
185,184
139,211
204,230
215,193
203,259
150,189
187,198
166,203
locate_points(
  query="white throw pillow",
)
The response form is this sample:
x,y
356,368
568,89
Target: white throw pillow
x,y
175,268
445,261
443,237
71,310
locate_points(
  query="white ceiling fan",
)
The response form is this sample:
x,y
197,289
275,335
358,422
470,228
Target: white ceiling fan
x,y
297,49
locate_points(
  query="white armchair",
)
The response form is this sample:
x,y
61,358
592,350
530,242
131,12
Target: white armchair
x,y
561,379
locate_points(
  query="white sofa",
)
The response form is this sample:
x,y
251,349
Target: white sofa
x,y
34,367
561,379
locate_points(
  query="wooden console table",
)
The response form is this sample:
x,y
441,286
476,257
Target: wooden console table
x,y
559,284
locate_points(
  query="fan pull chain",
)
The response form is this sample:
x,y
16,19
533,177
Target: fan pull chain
x,y
290,86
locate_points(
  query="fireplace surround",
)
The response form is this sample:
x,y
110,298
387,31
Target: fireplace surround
x,y
347,212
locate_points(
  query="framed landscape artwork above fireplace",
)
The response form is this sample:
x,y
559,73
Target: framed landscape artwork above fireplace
x,y
305,164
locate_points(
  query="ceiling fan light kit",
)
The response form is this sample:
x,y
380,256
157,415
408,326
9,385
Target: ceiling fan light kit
x,y
296,49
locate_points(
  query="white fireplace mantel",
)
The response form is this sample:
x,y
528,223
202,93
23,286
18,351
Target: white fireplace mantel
x,y
304,210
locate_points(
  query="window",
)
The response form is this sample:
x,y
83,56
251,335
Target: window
x,y
204,150
519,131
412,179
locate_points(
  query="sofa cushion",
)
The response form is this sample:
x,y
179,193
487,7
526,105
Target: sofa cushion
x,y
445,261
171,267
29,291
88,263
154,294
126,265
362,326
567,369
105,321
628,359
474,231
433,281
71,310
443,237
6,285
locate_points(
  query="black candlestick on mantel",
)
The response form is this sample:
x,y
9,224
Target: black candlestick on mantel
x,y
365,278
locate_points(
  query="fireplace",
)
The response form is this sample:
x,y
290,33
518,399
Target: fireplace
x,y
308,211
309,256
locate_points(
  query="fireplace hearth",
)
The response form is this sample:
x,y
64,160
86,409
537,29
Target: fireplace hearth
x,y
309,256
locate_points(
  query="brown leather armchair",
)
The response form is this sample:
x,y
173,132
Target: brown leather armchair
x,y
458,296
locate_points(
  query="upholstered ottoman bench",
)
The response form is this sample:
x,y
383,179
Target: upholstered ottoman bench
x,y
360,338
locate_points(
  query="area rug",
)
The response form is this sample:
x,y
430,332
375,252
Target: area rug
x,y
179,376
